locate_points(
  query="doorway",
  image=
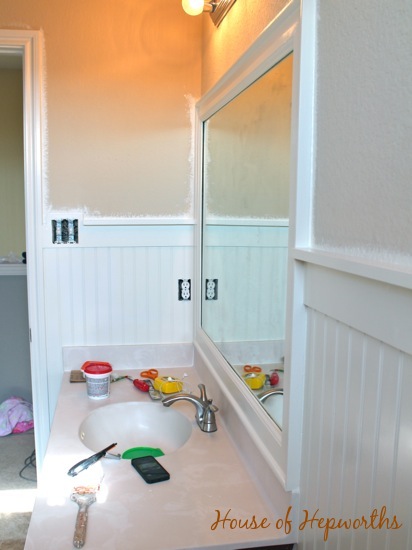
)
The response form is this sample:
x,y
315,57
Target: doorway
x,y
27,46
14,332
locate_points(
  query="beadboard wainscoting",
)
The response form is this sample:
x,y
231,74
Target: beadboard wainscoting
x,y
117,286
358,409
250,264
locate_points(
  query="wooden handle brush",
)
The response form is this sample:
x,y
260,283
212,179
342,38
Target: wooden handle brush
x,y
84,496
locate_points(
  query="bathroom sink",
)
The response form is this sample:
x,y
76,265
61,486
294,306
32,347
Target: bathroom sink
x,y
135,424
274,406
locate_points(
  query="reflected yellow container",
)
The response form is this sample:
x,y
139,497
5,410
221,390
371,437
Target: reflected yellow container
x,y
167,384
255,381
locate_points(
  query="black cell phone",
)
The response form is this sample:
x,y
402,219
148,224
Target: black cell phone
x,y
150,469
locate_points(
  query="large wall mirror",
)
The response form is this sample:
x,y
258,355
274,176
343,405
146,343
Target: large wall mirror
x,y
246,188
253,168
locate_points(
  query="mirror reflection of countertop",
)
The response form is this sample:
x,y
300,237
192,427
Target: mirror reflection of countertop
x,y
267,369
273,405
208,480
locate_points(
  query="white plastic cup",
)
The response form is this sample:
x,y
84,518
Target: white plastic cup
x,y
97,379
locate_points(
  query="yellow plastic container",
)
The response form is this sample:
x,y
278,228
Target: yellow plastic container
x,y
168,384
255,381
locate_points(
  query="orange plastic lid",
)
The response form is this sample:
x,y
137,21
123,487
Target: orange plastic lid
x,y
96,367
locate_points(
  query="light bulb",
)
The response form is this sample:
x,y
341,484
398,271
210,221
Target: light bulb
x,y
193,7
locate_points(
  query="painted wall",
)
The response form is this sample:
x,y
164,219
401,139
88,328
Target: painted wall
x,y
14,338
120,79
363,163
222,46
12,238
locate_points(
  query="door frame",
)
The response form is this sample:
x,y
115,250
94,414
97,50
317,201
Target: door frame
x,y
29,45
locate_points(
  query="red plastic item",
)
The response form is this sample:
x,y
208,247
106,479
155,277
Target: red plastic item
x,y
274,379
141,385
96,367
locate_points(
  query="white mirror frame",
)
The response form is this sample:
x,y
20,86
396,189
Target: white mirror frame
x,y
280,449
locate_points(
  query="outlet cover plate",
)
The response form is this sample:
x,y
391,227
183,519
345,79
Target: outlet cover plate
x,y
211,289
184,290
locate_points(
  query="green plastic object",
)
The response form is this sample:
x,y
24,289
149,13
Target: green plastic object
x,y
137,452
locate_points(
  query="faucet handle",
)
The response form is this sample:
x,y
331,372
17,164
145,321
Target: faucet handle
x,y
203,395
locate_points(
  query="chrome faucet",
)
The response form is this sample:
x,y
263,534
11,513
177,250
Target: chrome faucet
x,y
205,410
273,391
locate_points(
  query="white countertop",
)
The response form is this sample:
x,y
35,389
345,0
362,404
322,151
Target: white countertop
x,y
207,476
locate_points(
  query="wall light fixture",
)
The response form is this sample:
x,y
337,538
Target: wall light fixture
x,y
216,8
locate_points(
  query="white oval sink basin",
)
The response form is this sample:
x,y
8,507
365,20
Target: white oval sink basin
x,y
274,406
135,424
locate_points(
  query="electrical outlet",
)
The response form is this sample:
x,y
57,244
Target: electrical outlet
x,y
65,231
211,289
184,289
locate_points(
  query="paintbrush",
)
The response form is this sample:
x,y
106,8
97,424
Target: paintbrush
x,y
84,495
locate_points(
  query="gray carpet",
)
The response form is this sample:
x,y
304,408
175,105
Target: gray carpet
x,y
17,482
13,530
